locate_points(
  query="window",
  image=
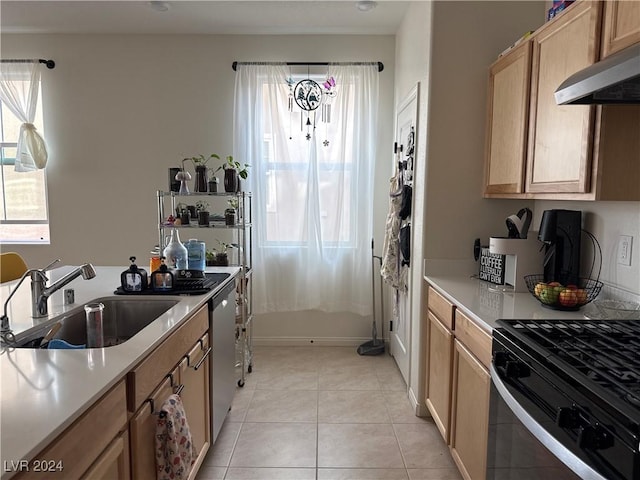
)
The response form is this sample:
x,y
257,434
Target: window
x,y
290,160
23,209
312,184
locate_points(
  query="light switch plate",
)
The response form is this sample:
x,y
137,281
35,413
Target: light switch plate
x,y
624,250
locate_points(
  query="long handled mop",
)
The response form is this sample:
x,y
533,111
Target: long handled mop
x,y
374,346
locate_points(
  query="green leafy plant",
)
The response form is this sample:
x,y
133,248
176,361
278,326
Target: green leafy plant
x,y
233,202
231,164
201,206
200,160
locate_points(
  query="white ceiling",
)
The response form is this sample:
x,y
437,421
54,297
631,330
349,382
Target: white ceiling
x,y
201,17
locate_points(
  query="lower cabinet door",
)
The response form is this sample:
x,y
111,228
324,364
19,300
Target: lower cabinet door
x,y
194,376
439,374
113,462
142,432
470,413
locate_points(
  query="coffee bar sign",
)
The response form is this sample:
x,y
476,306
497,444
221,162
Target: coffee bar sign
x,y
491,266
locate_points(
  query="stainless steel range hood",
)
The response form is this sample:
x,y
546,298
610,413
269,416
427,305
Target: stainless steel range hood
x,y
616,79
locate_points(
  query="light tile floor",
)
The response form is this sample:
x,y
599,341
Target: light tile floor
x,y
325,413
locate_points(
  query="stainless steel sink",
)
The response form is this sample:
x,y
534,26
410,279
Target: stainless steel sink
x,y
122,318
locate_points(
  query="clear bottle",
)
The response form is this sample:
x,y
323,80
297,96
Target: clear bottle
x,y
175,252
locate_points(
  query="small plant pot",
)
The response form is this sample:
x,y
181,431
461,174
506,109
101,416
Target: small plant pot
x,y
192,211
213,187
184,217
229,216
201,179
218,260
203,219
230,180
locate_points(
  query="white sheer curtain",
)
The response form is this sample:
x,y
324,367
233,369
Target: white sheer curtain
x,y
312,187
19,87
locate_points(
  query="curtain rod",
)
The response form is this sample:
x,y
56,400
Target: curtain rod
x,y
49,63
234,65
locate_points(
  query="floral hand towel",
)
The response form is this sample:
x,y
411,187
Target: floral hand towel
x,y
175,452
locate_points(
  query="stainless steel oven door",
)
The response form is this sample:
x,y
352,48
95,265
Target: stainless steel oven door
x,y
520,448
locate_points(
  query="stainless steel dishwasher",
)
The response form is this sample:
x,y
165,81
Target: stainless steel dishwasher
x,y
222,321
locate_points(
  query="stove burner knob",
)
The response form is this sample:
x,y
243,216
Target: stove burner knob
x,y
500,358
567,417
594,438
516,369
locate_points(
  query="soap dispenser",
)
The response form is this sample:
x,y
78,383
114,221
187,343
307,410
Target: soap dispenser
x,y
134,279
162,279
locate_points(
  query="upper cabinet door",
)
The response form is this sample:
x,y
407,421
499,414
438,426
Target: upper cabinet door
x,y
561,137
621,26
507,121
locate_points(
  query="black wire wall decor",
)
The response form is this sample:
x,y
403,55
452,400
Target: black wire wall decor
x,y
310,96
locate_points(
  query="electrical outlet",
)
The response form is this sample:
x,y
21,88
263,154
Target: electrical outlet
x,y
624,250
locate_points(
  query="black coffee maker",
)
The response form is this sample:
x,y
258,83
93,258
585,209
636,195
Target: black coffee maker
x,y
560,231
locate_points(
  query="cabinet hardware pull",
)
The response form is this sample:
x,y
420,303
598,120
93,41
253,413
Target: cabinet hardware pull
x,y
179,389
204,357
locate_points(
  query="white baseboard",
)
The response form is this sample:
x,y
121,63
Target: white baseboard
x,y
305,341
419,409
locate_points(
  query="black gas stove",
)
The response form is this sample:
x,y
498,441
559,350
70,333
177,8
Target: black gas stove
x,y
580,382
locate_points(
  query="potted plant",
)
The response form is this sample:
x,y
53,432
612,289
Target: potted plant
x,y
233,170
218,257
200,165
213,183
230,213
203,213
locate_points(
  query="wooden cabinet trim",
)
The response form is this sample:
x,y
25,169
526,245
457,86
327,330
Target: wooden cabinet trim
x,y
438,388
581,115
474,338
442,308
142,427
619,28
113,462
512,137
471,444
150,372
90,434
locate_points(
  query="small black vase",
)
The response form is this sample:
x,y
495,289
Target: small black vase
x,y
201,179
230,180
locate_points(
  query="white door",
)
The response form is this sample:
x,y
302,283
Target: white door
x,y
400,333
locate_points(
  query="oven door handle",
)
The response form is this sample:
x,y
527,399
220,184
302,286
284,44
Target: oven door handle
x,y
565,455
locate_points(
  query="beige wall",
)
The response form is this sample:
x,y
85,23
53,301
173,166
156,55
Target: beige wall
x,y
457,41
121,109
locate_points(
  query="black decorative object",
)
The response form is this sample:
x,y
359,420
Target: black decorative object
x,y
134,279
230,180
308,94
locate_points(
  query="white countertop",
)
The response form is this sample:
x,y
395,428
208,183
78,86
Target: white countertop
x,y
485,303
44,391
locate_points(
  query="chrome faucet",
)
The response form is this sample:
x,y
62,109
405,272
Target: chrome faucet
x,y
40,293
